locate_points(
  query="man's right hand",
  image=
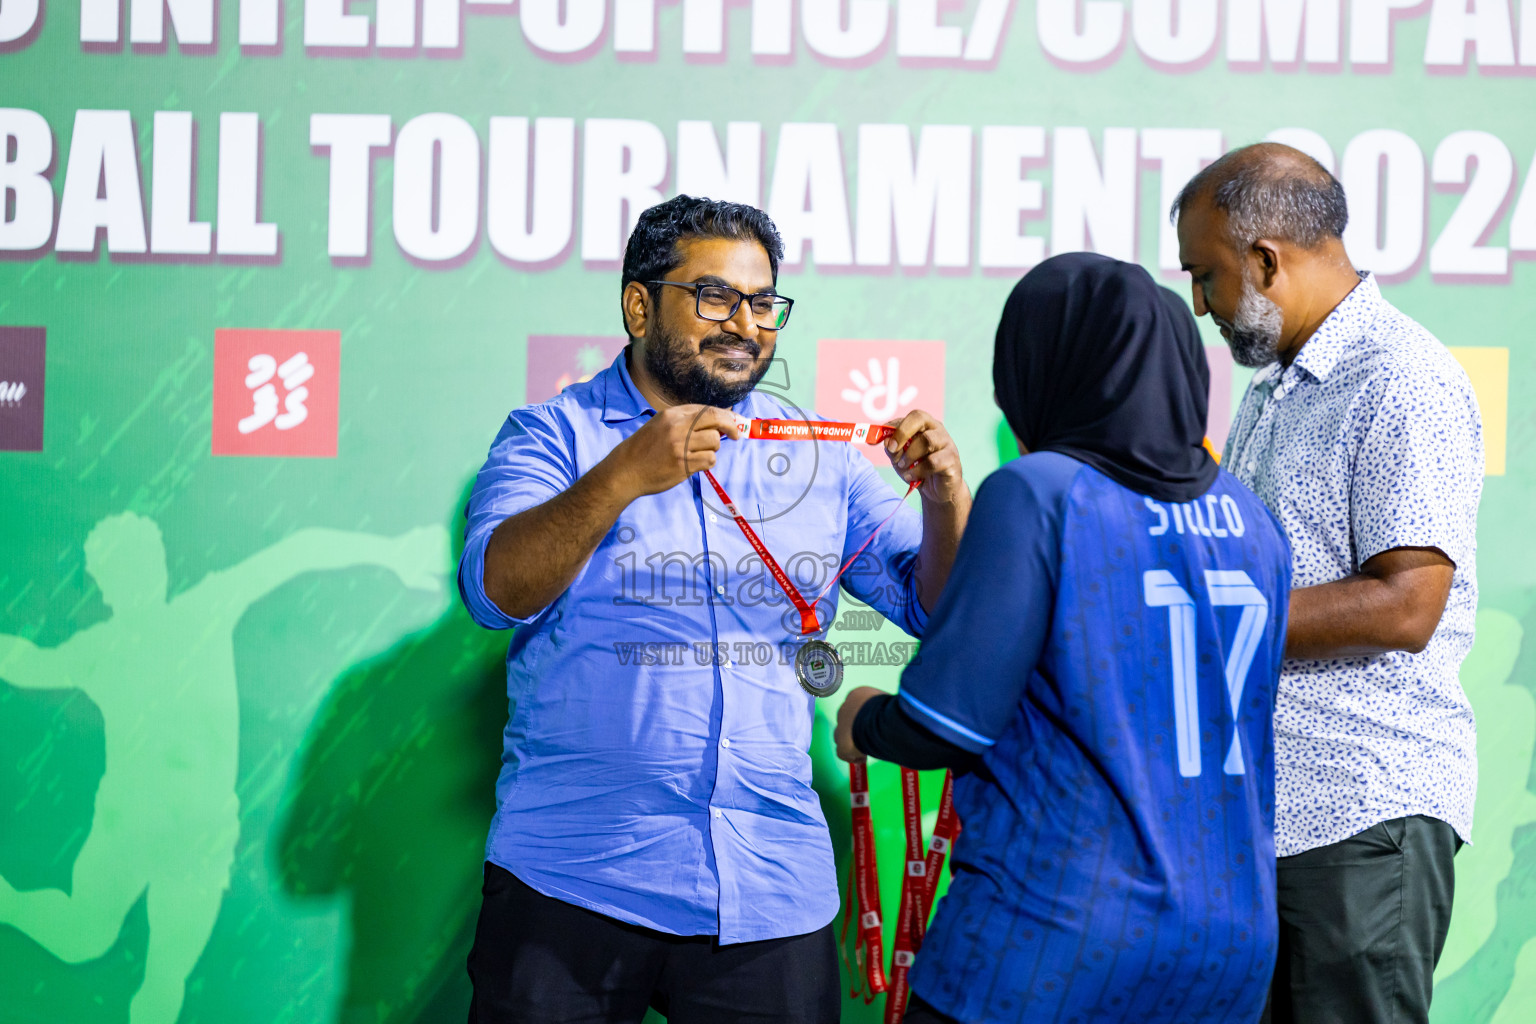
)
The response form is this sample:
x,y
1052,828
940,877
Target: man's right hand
x,y
674,445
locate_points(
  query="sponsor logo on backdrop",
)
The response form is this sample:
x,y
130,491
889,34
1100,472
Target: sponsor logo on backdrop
x,y
22,363
875,381
276,393
556,361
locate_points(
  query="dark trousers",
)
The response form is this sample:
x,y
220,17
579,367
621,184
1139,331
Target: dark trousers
x,y
539,960
1362,923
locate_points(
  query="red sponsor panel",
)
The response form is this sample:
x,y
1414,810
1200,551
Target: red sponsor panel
x,y
867,381
276,393
556,361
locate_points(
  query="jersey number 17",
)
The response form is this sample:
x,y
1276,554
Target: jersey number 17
x,y
1226,588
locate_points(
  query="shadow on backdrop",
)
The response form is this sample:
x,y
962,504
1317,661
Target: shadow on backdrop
x,y
1497,983
388,807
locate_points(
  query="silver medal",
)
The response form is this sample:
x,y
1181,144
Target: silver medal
x,y
818,668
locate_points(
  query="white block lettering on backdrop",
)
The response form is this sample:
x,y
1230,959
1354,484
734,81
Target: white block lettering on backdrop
x,y
171,188
845,29
447,141
634,26
808,198
259,23
1370,30
17,18
26,134
192,20
100,21
925,202
773,28
703,170
624,166
562,26
1289,30
1179,153
327,24
704,26
1482,164
102,155
1482,27
1080,38
1383,176
1094,207
240,230
919,32
1172,33
530,209
1009,197
351,139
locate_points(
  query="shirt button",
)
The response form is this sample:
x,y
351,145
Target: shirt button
x,y
720,589
717,812
1252,466
714,518
726,742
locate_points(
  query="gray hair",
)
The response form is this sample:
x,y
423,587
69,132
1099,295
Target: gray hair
x,y
1269,190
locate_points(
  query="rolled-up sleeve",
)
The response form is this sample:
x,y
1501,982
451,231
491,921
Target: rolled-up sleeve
x,y
993,619
529,463
884,577
1419,467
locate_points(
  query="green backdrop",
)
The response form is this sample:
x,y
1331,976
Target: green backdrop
x,y
261,796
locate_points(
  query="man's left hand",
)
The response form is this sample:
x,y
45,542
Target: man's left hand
x,y
845,715
921,450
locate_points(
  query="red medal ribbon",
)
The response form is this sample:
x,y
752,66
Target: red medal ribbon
x,y
814,430
944,832
808,621
919,882
866,882
805,430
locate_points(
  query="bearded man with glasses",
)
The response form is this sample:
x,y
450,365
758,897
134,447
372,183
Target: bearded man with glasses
x,y
657,842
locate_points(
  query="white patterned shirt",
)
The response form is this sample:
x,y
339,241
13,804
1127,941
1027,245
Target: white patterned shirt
x,y
1369,440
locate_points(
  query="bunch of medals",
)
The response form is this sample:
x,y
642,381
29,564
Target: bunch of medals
x,y
919,884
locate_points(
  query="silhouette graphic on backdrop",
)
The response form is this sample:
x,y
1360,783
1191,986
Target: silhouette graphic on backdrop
x,y
162,673
389,805
1496,982
1506,736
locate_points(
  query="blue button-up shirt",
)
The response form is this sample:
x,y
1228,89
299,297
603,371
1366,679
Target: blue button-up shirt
x,y
656,764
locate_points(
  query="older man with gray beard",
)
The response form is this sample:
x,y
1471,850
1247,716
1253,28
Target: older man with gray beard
x,y
1362,435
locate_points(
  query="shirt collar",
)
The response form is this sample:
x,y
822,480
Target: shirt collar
x,y
621,399
1349,322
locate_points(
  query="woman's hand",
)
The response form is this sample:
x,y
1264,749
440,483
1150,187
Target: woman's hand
x,y
845,715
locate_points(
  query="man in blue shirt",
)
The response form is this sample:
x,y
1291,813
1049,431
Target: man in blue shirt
x,y
657,841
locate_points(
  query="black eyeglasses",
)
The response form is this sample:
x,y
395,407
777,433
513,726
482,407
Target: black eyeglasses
x,y
719,303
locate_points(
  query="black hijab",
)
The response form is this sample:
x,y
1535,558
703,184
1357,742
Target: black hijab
x,y
1096,360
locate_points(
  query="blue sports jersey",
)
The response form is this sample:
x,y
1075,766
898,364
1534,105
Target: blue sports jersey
x,y
1113,659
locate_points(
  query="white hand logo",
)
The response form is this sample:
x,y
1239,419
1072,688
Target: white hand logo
x,y
880,394
293,373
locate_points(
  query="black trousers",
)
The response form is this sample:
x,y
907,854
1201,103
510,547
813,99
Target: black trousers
x,y
538,960
1362,923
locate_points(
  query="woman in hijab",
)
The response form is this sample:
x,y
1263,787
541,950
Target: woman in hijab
x,y
1100,671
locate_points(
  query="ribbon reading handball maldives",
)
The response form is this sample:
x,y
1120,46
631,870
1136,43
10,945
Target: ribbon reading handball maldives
x,y
919,885
817,665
